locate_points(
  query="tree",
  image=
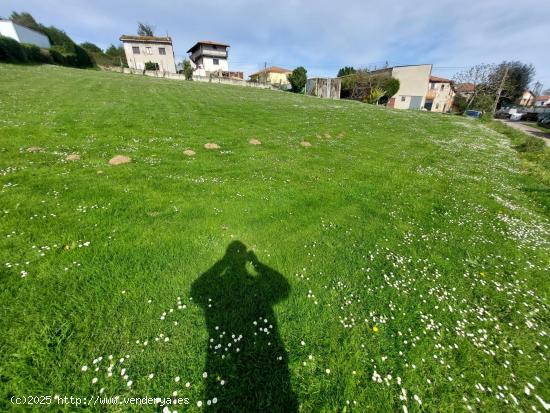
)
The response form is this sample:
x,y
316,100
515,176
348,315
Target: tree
x,y
298,79
90,47
116,55
517,78
478,76
345,71
187,69
391,86
145,29
25,19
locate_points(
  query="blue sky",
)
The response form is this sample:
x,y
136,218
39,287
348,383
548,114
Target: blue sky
x,y
321,35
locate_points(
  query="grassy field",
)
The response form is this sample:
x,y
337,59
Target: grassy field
x,y
399,263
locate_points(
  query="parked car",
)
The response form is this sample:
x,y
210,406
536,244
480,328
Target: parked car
x,y
473,113
502,114
544,121
530,116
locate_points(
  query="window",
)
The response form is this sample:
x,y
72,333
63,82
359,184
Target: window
x,y
135,49
432,86
437,105
442,86
216,62
162,50
403,98
148,50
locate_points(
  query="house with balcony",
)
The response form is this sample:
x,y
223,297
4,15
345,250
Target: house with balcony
x,y
208,57
440,95
140,50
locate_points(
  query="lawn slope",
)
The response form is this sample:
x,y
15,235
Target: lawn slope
x,y
400,261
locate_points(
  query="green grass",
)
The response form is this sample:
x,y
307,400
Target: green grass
x,y
401,252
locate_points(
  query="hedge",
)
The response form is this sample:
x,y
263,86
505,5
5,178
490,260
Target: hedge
x,y
12,51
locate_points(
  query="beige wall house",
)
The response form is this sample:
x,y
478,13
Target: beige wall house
x,y
527,99
208,57
413,85
274,75
142,49
440,95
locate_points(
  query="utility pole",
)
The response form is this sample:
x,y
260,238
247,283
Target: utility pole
x,y
499,90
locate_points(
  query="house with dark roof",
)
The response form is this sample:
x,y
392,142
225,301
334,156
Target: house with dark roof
x,y
208,57
273,74
140,50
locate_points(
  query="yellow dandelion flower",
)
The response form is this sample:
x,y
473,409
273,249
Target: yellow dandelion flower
x,y
375,329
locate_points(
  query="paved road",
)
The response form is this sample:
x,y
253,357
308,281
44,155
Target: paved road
x,y
527,129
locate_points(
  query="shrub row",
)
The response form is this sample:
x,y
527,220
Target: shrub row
x,y
14,52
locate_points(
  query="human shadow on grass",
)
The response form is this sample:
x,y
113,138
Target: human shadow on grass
x,y
246,361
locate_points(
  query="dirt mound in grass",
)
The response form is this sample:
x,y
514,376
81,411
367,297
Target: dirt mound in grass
x,y
254,142
33,149
305,144
119,160
73,157
211,146
189,152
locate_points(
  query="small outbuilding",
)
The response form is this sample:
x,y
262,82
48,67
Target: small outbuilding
x,y
324,87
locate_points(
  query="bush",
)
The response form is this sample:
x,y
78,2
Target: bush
x,y
531,144
35,54
151,66
390,86
11,50
56,56
298,79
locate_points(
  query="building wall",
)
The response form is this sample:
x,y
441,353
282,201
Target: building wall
x,y
203,59
413,85
149,52
441,95
23,35
527,99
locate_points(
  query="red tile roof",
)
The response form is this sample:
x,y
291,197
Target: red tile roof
x,y
543,97
208,42
436,79
272,69
465,88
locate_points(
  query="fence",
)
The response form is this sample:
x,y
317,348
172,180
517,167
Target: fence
x,y
178,76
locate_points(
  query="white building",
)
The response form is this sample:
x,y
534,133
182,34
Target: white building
x,y
208,57
142,49
413,85
23,34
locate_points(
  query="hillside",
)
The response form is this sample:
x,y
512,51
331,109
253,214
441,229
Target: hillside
x,y
401,259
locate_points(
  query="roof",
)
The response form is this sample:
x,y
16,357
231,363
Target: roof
x,y
208,42
272,69
543,97
436,79
145,39
465,87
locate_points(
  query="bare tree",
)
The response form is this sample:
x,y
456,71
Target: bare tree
x,y
479,76
145,29
537,89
